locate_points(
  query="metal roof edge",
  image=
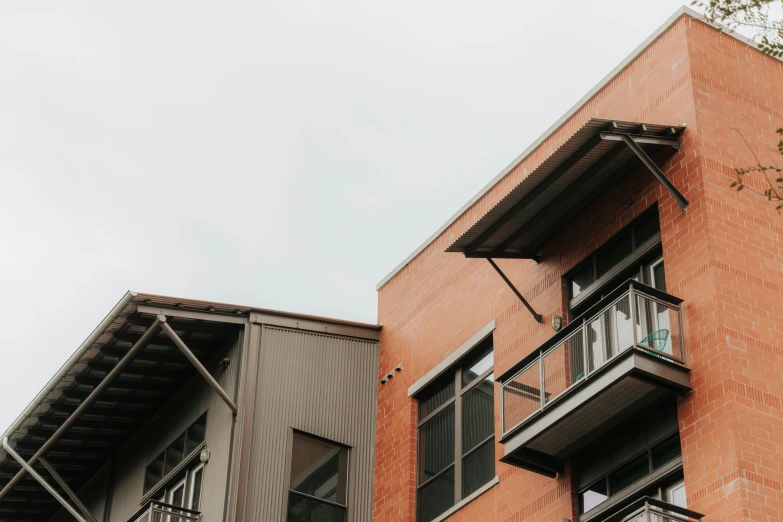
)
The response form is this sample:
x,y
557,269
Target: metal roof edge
x,y
682,11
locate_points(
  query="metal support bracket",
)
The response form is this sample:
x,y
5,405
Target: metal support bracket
x,y
68,491
633,144
200,367
29,469
538,317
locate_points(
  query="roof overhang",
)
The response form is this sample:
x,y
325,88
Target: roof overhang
x,y
585,166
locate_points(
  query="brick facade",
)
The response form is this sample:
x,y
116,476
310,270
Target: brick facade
x,y
723,256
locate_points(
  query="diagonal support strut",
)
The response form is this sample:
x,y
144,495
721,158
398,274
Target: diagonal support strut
x,y
536,315
68,491
657,172
200,367
29,469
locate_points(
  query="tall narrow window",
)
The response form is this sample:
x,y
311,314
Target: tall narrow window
x,y
456,453
319,480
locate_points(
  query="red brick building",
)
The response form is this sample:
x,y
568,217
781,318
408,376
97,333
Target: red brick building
x,y
661,383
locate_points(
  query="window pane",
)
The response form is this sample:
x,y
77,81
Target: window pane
x,y
301,509
582,278
198,478
436,444
658,277
196,433
175,453
477,364
436,497
616,252
435,395
478,468
478,415
154,473
666,452
319,468
646,229
628,474
593,496
177,496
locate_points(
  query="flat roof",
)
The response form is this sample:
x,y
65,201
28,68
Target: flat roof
x,y
683,11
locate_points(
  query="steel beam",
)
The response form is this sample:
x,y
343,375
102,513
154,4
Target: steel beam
x,y
200,367
68,491
652,167
536,315
650,140
151,332
29,469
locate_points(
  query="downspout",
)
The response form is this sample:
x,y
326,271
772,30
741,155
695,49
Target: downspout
x,y
68,366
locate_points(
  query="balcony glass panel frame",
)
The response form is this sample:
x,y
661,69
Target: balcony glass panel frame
x,y
156,511
633,316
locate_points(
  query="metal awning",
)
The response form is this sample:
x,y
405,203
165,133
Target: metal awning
x,y
143,384
586,165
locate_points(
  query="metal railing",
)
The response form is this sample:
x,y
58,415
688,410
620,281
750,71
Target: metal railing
x,y
633,315
154,511
651,510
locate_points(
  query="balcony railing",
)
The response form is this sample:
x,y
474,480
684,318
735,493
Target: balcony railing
x,y
648,509
632,316
154,511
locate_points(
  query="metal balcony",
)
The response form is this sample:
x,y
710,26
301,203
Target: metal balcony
x,y
624,352
154,511
648,509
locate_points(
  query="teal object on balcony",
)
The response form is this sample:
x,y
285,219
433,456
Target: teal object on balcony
x,y
658,336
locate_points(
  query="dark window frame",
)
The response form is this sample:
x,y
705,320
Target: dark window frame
x,y
314,498
169,474
639,249
605,478
455,373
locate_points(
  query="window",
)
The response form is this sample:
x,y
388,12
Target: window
x,y
318,490
630,452
182,449
616,257
455,459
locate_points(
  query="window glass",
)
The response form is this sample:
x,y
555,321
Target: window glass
x,y
154,472
478,415
582,278
658,277
477,364
666,451
478,467
594,495
319,468
646,229
628,474
611,256
175,454
676,494
436,496
436,395
196,434
436,444
303,509
177,495
198,478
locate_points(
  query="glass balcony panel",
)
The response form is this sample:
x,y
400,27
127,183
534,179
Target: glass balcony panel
x,y
658,327
522,396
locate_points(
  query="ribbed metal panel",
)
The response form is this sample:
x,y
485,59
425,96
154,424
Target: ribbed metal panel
x,y
557,192
319,384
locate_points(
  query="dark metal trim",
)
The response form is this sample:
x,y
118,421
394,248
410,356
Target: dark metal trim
x,y
652,167
318,499
68,491
478,380
436,411
172,475
650,140
535,314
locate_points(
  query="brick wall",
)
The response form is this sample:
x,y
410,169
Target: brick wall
x,y
723,256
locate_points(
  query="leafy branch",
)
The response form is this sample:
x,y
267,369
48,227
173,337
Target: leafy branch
x,y
753,14
774,190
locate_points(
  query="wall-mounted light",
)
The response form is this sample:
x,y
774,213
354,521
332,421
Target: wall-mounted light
x,y
204,457
557,322
390,375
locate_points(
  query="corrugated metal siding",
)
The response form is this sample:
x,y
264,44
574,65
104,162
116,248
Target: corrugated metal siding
x,y
194,400
319,384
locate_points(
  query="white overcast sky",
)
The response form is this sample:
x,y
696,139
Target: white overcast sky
x,y
275,154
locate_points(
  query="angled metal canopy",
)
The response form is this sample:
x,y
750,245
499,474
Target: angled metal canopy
x,y
553,194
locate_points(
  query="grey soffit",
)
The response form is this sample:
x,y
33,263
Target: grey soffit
x,y
452,359
557,190
682,11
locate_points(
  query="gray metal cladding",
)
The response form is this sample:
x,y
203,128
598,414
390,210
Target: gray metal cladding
x,y
319,384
